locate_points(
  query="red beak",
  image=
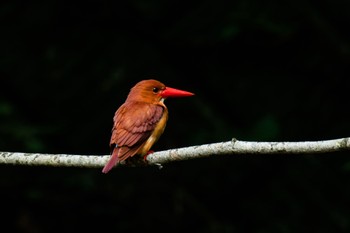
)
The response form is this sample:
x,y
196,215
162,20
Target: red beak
x,y
172,92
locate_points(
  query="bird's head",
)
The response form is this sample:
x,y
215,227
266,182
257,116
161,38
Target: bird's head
x,y
153,91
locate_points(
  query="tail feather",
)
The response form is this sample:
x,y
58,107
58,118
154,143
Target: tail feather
x,y
120,154
112,161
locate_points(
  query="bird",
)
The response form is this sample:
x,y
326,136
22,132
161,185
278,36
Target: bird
x,y
140,120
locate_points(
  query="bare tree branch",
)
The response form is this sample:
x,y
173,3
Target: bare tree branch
x,y
221,148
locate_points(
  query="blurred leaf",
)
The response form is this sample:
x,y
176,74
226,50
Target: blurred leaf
x,y
6,109
266,129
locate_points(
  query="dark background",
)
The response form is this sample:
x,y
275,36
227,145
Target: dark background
x,y
265,71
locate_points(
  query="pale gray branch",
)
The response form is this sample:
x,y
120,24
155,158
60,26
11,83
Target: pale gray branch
x,y
214,149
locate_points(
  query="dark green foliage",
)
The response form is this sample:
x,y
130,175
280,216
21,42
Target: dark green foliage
x,y
276,71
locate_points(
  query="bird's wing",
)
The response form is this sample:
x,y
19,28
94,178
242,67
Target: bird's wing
x,y
133,124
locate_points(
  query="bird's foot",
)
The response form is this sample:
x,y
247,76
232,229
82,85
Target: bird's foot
x,y
145,159
145,156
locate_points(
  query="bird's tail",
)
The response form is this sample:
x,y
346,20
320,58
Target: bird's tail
x,y
112,161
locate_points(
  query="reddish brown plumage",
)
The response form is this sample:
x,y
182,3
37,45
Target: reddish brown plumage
x,y
140,121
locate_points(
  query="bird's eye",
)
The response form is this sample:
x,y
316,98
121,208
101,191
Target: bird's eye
x,y
155,90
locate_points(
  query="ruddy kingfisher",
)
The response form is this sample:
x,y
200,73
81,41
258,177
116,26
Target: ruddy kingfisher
x,y
140,121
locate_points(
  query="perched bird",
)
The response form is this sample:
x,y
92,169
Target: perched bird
x,y
140,121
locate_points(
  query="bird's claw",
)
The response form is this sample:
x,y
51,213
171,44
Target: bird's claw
x,y
160,166
145,156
